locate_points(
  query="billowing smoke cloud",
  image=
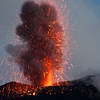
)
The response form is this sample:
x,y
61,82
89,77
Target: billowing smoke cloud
x,y
42,35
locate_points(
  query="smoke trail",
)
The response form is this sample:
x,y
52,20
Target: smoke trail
x,y
43,36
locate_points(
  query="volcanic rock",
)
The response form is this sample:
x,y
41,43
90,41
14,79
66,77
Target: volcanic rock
x,y
81,89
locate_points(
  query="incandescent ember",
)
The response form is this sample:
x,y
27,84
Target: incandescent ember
x,y
43,36
80,89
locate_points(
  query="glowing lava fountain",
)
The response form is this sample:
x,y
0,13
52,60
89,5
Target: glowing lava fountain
x,y
42,54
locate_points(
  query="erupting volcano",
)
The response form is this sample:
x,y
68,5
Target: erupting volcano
x,y
40,55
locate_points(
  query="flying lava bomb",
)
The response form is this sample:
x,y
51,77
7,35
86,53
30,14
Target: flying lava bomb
x,y
41,52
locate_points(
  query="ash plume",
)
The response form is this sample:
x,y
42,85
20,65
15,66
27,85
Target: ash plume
x,y
42,34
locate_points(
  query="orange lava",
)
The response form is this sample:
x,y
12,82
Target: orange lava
x,y
61,42
59,37
49,73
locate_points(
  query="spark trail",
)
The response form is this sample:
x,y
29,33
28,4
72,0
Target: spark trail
x,y
43,36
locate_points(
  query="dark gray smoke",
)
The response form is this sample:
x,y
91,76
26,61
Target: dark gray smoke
x,y
37,22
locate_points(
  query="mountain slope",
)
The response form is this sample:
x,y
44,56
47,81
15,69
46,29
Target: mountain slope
x,y
81,89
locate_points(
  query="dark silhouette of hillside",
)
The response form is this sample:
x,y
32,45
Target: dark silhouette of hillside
x,y
81,89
